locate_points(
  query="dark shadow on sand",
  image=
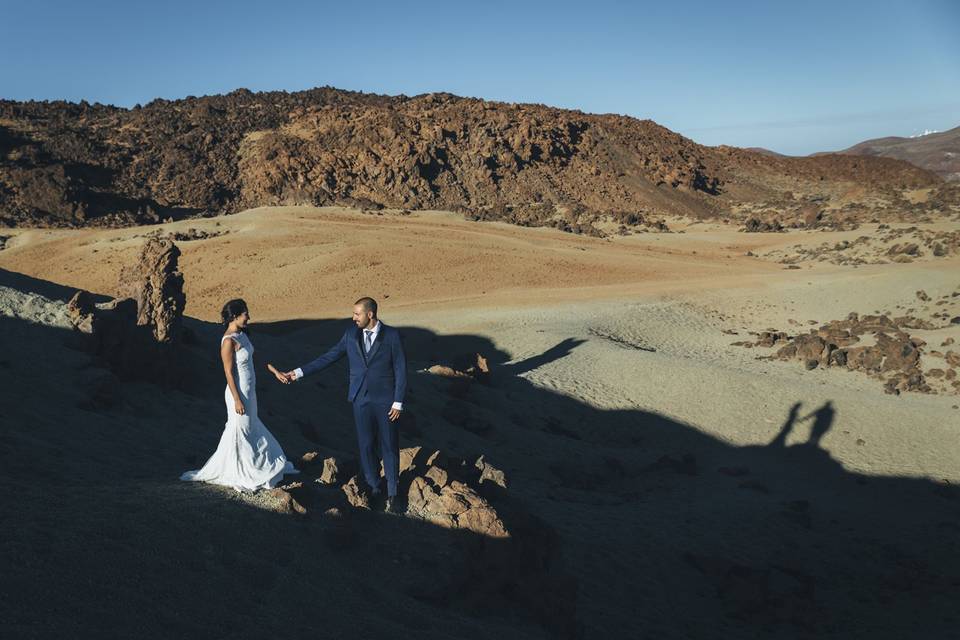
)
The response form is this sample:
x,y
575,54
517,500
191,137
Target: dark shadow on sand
x,y
629,523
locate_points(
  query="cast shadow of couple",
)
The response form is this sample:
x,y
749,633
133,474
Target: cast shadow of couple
x,y
822,417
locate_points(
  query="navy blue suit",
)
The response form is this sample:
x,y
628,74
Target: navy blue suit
x,y
377,380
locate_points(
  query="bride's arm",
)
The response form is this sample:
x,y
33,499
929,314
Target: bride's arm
x,y
227,355
282,377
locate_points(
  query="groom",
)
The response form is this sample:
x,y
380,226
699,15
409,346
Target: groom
x,y
378,380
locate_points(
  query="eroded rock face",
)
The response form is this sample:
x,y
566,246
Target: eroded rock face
x,y
80,164
156,284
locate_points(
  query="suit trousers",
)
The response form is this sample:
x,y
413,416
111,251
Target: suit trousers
x,y
374,428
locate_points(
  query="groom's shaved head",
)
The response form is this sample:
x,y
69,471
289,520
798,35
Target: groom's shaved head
x,y
368,304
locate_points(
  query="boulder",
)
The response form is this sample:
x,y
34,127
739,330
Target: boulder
x,y
285,502
899,354
807,347
82,312
454,506
156,284
356,496
330,471
437,476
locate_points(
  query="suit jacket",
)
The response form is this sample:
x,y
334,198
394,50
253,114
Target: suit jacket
x,y
378,376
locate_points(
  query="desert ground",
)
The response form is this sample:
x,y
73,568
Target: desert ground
x,y
672,494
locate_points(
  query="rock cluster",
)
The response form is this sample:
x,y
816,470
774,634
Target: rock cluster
x,y
897,245
137,336
186,236
755,225
894,356
439,489
479,371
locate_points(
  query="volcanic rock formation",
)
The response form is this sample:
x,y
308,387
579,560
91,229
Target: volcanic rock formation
x,y
65,164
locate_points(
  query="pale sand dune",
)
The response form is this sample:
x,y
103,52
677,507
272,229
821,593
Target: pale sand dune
x,y
605,350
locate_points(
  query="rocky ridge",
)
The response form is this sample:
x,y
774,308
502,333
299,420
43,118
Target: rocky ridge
x,y
65,164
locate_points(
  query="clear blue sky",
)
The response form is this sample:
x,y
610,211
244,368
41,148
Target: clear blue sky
x,y
795,77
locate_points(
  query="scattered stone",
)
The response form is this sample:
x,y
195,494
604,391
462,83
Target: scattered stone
x,y
330,472
438,476
287,502
771,338
437,458
479,370
407,457
755,225
194,234
356,496
82,312
446,372
489,473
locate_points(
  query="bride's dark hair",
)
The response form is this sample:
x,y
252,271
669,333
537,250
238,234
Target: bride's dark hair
x,y
232,309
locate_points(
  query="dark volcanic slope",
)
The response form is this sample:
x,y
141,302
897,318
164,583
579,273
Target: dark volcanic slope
x,y
72,164
937,152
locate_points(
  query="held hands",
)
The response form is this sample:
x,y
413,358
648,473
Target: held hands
x,y
285,378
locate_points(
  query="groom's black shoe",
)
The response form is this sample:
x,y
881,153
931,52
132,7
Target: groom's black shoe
x,y
392,506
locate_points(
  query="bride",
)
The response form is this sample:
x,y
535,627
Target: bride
x,y
248,456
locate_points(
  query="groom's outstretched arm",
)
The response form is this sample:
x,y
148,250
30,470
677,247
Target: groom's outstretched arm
x,y
325,360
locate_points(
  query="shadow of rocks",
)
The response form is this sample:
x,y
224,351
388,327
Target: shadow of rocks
x,y
624,522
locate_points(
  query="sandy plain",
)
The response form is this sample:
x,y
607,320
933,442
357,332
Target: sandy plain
x,y
620,411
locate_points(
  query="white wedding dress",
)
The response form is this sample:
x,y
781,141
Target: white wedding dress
x,y
248,456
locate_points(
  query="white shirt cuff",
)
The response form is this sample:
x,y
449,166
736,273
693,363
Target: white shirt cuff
x,y
398,406
298,373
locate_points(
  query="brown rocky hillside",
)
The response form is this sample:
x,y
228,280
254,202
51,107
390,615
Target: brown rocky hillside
x,y
65,164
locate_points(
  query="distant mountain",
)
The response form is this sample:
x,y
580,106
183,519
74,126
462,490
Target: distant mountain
x,y
67,164
937,152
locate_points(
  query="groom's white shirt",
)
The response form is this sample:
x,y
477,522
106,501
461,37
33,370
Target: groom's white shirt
x,y
298,372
